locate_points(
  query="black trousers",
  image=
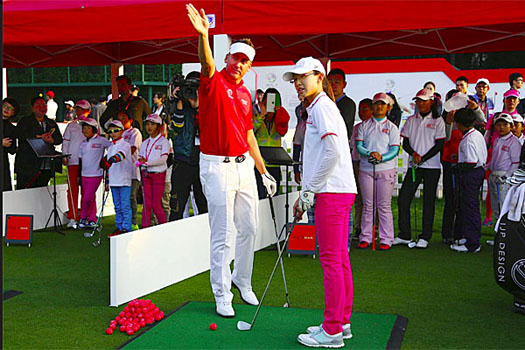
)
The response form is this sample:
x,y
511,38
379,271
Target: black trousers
x,y
469,217
183,177
261,190
430,178
450,227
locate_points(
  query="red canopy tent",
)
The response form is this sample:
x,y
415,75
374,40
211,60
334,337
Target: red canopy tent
x,y
97,32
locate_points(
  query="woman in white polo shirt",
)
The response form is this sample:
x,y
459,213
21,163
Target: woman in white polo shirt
x,y
423,138
378,145
328,177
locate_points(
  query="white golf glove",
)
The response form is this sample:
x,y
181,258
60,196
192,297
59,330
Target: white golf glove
x,y
269,183
306,200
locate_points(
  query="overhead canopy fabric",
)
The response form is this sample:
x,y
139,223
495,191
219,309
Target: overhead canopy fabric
x,y
96,32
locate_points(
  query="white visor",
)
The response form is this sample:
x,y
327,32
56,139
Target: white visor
x,y
243,48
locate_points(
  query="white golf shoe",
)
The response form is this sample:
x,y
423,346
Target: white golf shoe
x,y
224,309
72,224
398,241
347,330
463,249
421,243
247,295
321,339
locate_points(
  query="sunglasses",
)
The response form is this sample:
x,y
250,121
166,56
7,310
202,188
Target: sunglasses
x,y
301,77
113,131
8,107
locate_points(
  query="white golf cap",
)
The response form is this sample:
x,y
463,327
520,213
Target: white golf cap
x,y
246,49
381,96
517,118
70,103
424,94
154,118
484,81
114,122
89,121
506,117
305,65
84,104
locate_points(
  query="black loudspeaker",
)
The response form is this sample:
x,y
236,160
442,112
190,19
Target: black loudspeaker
x,y
509,260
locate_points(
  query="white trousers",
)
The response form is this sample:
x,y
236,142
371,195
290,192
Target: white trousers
x,y
231,191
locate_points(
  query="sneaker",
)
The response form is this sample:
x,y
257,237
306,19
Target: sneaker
x,y
363,245
461,241
487,222
384,246
83,223
490,242
347,330
224,309
247,295
463,249
135,227
321,339
72,224
92,224
398,241
421,243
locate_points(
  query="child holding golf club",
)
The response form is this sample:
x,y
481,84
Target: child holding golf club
x,y
153,157
423,138
91,152
505,159
378,143
72,139
328,177
132,136
119,164
472,156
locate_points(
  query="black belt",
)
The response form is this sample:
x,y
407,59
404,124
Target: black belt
x,y
238,159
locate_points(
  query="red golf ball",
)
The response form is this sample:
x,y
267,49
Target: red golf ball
x,y
109,331
213,326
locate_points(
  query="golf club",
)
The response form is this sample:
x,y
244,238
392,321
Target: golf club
x,y
70,193
413,243
245,326
278,236
374,209
98,225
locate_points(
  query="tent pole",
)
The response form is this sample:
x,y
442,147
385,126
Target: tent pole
x,y
221,45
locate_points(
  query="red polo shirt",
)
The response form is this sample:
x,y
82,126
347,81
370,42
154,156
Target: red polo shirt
x,y
225,115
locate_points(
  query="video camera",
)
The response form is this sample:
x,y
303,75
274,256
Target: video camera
x,y
188,88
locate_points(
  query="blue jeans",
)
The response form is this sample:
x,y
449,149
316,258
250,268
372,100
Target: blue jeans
x,y
121,200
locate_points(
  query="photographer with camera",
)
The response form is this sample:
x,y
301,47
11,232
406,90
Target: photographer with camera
x,y
184,134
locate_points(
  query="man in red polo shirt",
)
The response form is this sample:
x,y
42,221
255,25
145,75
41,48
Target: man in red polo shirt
x,y
229,152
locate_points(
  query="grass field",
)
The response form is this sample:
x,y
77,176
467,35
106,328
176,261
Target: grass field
x,y
450,299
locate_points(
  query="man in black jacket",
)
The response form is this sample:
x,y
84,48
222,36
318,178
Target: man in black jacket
x,y
346,105
31,171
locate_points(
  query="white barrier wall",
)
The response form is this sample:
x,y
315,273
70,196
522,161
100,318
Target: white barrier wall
x,y
144,261
39,203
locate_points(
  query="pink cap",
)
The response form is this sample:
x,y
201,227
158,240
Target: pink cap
x,y
512,93
83,104
154,118
381,96
424,94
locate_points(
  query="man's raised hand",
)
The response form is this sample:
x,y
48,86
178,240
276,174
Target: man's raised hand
x,y
198,20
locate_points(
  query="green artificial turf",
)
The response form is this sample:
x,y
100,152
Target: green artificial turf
x,y
275,328
450,299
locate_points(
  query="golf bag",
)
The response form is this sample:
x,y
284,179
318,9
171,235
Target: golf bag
x,y
509,260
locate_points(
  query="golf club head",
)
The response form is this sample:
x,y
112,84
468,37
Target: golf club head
x,y
412,244
96,244
88,234
286,305
243,326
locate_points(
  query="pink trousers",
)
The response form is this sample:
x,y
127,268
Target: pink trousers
x,y
332,211
384,186
153,185
89,201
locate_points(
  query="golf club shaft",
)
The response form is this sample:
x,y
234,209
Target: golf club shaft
x,y
278,236
374,209
273,272
414,199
